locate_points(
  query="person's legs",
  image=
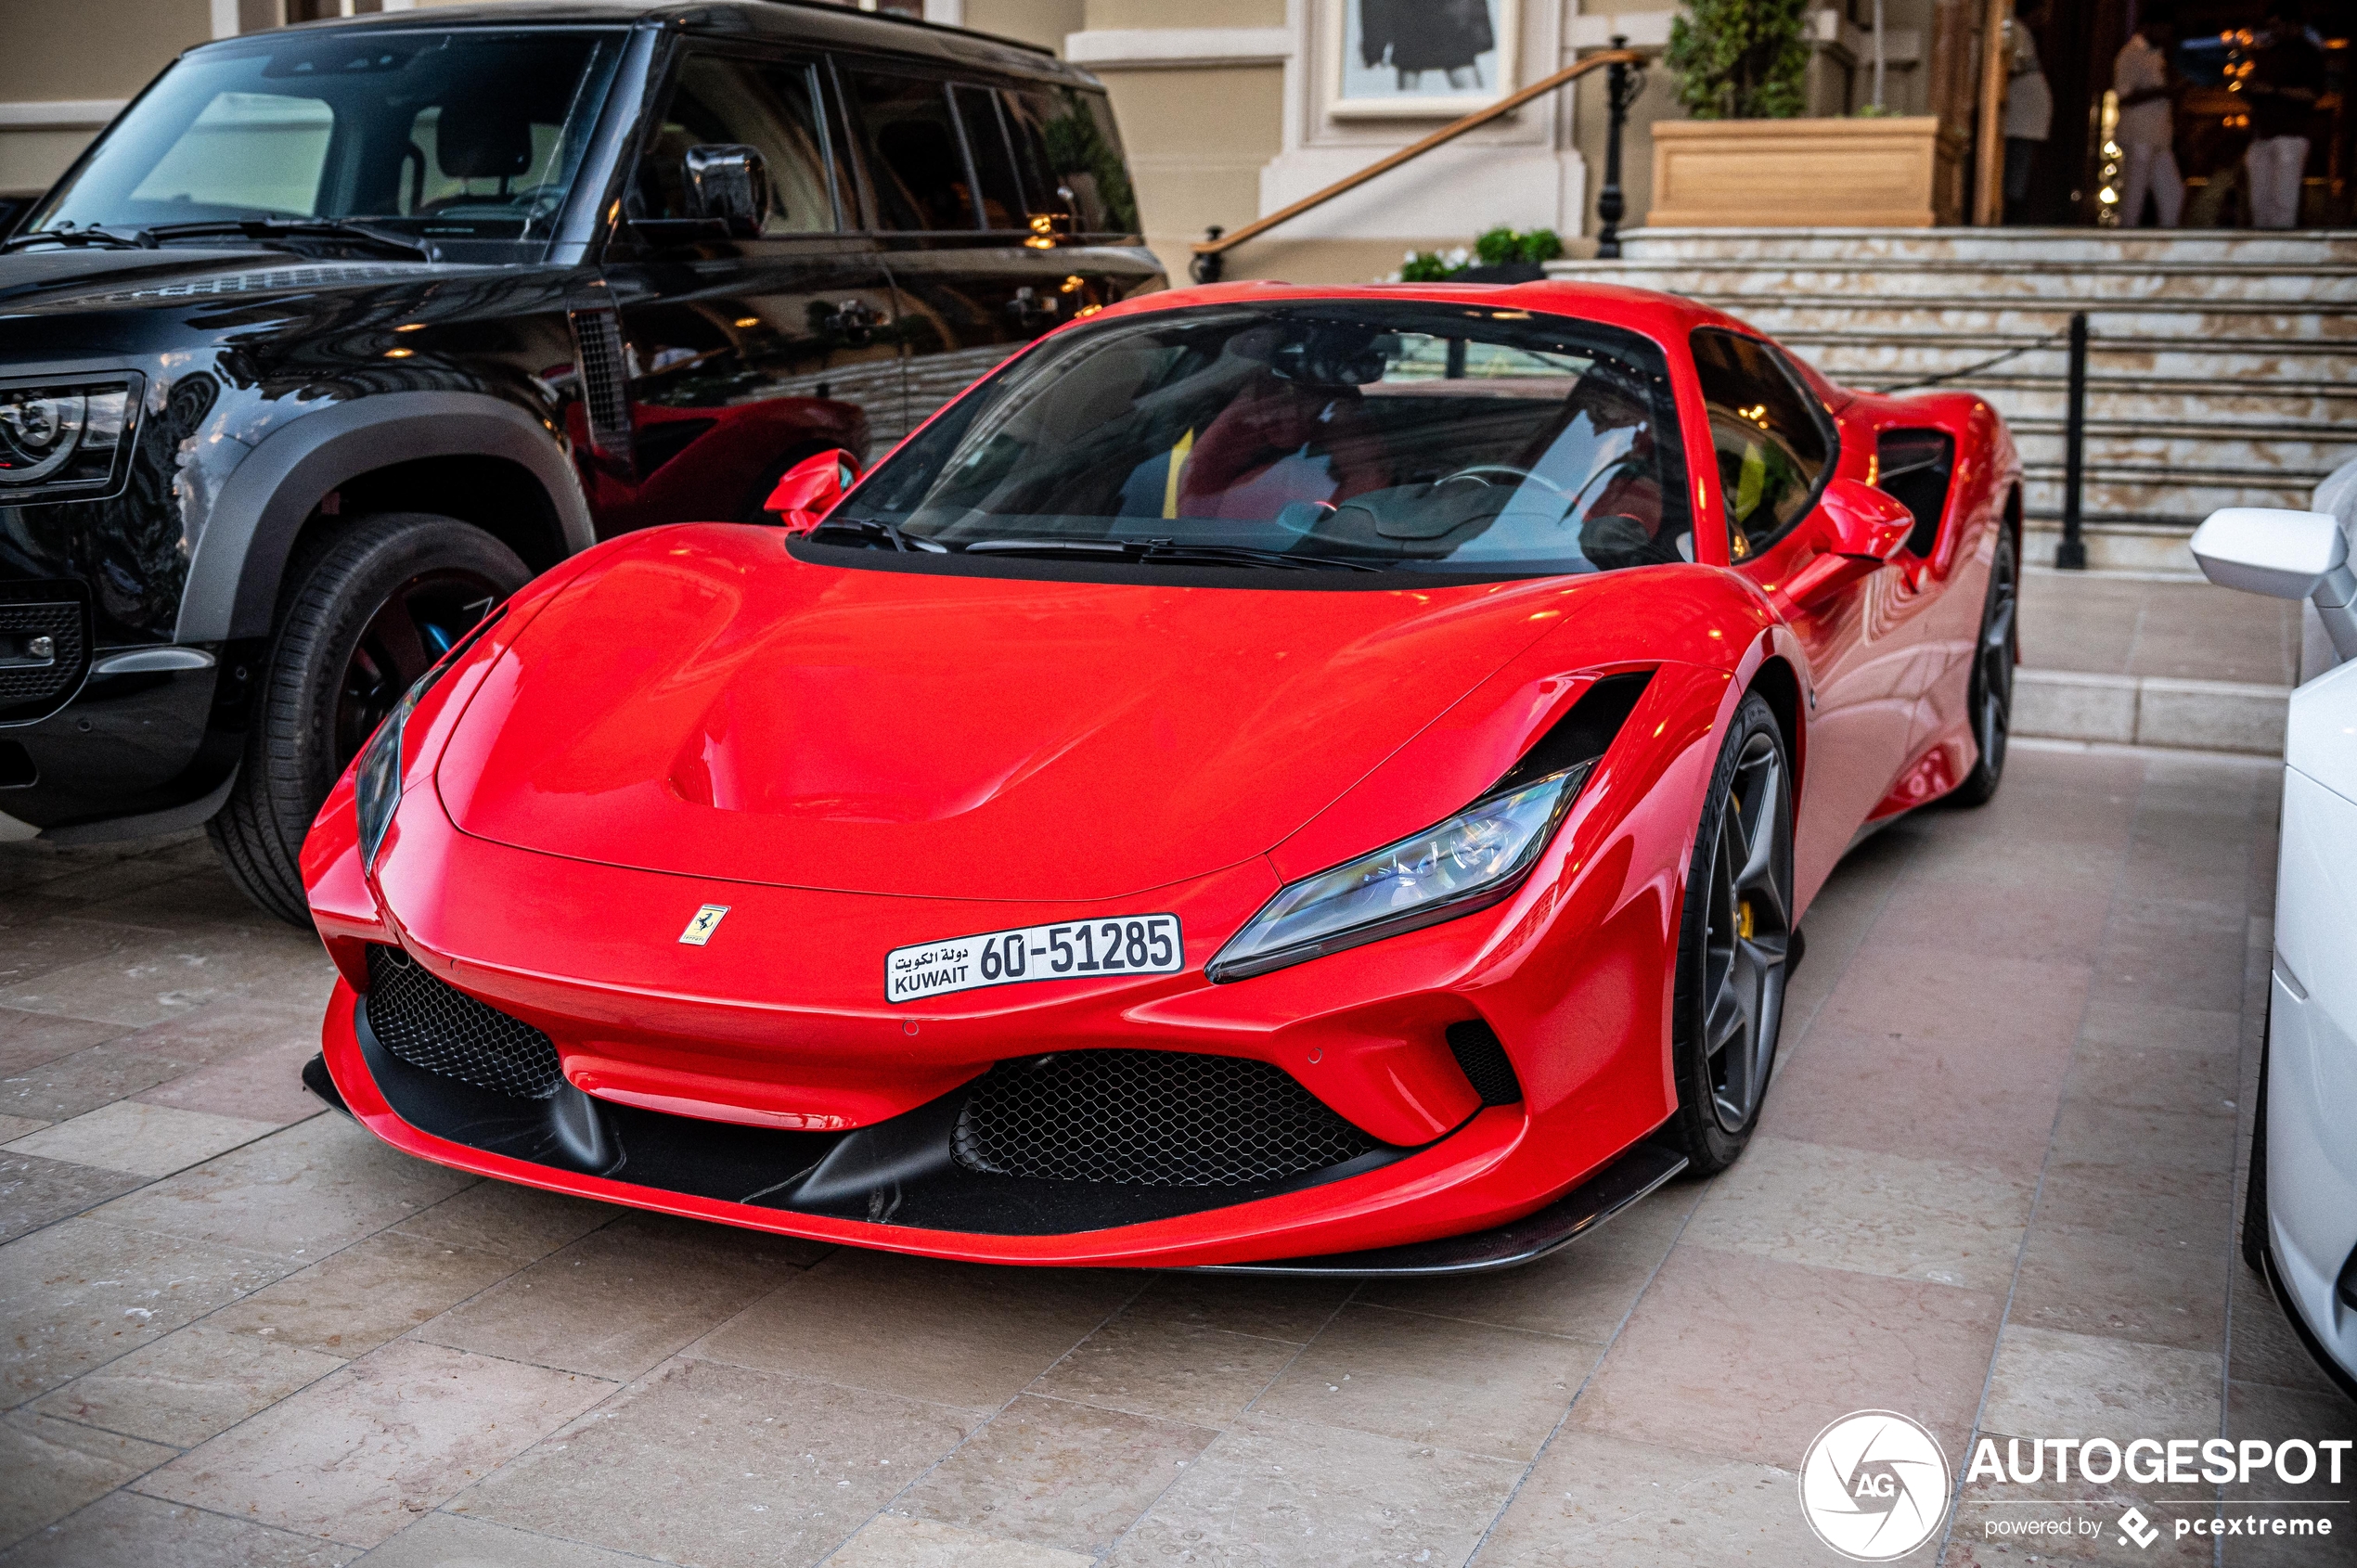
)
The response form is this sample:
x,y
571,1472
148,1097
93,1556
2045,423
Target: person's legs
x,y
2135,184
2276,164
2021,158
2169,185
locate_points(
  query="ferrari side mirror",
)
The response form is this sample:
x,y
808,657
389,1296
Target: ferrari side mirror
x,y
809,491
1861,528
2284,555
1868,524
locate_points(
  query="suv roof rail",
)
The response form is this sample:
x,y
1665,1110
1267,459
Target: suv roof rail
x,y
904,19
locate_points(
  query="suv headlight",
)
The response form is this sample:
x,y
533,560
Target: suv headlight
x,y
376,781
1471,861
65,439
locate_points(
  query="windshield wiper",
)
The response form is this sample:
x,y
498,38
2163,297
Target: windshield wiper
x,y
1169,551
876,528
282,229
73,236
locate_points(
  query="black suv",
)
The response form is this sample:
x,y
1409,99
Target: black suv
x,y
341,333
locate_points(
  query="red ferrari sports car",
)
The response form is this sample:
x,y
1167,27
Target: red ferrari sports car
x,y
1279,778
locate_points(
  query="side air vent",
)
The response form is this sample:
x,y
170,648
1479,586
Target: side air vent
x,y
430,1024
605,382
1915,467
1478,1052
45,651
1583,734
1151,1119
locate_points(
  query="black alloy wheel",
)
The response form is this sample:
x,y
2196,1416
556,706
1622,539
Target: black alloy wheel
x,y
1992,695
419,622
364,614
1735,943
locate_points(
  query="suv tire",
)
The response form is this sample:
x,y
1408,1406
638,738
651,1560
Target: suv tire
x,y
368,610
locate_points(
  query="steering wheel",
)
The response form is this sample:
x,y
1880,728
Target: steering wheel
x,y
1479,473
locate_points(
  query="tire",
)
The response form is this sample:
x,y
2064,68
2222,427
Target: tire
x,y
2255,1236
1734,944
366,612
1990,699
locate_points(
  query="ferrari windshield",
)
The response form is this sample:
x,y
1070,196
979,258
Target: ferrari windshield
x,y
466,134
1327,433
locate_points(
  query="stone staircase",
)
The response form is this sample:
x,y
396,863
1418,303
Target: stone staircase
x,y
2223,368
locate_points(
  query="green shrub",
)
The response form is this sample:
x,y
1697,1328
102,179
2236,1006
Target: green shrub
x,y
1499,247
1740,59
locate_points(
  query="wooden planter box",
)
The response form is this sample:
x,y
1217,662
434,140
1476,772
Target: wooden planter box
x,y
1801,173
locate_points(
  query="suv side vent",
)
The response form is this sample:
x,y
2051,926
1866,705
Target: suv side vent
x,y
1476,1046
1916,466
605,382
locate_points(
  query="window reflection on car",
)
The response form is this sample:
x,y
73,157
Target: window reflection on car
x,y
1419,437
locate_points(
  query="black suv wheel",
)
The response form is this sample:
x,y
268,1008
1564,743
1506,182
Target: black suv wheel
x,y
368,612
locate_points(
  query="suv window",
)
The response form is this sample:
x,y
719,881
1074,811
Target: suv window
x,y
1065,137
916,157
1774,444
468,133
1003,203
770,105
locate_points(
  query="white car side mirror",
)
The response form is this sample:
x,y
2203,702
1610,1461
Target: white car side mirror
x,y
2284,555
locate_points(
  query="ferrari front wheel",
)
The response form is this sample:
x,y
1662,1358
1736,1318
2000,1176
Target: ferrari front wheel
x,y
1734,944
1990,695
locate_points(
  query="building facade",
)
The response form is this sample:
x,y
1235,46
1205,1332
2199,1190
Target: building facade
x,y
1232,108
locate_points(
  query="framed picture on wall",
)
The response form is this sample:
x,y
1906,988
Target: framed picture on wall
x,y
1424,56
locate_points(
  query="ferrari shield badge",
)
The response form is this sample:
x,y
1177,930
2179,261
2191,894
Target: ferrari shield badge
x,y
706,922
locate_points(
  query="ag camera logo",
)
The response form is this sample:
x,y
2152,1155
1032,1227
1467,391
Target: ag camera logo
x,y
1873,1486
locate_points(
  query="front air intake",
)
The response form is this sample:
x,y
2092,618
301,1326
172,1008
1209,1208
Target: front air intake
x,y
45,651
1139,1118
427,1024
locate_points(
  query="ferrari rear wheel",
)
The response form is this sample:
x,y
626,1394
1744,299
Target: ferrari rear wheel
x,y
1735,940
1991,693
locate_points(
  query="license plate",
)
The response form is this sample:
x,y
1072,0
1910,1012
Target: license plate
x,y
1092,949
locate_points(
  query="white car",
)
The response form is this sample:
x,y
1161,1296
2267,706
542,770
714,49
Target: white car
x,y
2299,1223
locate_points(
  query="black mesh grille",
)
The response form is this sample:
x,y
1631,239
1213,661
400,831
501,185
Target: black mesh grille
x,y
28,679
1151,1119
1475,1046
605,396
433,1025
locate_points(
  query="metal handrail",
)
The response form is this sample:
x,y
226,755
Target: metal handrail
x,y
1212,249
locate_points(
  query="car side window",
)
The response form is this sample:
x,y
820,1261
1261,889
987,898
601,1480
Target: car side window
x,y
1774,444
994,162
916,157
770,105
1066,142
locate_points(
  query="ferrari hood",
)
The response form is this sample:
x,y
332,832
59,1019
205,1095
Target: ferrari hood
x,y
701,701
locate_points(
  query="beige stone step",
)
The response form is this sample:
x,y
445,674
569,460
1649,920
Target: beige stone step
x,y
1897,285
2151,710
2054,246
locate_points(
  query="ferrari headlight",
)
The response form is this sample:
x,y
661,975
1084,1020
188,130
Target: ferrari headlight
x,y
376,781
377,776
1472,860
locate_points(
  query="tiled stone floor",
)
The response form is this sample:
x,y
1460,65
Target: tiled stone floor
x,y
2098,623
1994,1190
